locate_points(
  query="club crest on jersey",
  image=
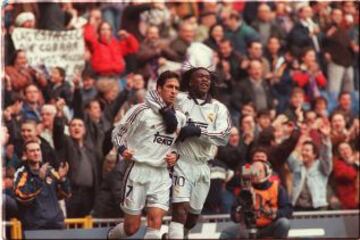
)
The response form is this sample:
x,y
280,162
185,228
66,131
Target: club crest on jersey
x,y
163,139
211,117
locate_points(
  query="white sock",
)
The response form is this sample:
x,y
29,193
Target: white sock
x,y
152,233
176,230
117,232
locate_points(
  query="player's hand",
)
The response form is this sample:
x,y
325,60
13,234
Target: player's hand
x,y
169,117
128,154
188,131
171,159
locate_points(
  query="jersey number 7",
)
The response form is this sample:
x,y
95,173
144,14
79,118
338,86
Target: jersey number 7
x,y
129,191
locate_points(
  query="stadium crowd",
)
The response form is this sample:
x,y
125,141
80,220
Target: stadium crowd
x,y
287,72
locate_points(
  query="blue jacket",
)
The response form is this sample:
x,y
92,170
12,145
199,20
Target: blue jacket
x,y
28,113
38,199
317,175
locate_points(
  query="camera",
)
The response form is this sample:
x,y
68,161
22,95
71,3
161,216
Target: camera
x,y
246,199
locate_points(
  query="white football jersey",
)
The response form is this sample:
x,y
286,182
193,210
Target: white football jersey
x,y
213,119
143,131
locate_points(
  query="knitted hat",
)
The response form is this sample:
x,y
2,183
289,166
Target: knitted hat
x,y
24,17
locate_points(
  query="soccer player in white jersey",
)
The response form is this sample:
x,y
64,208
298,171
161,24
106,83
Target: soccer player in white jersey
x,y
146,142
208,126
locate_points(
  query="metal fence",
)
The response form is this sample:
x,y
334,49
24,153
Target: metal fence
x,y
14,226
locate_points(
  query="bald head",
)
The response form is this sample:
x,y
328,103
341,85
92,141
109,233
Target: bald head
x,y
255,70
187,32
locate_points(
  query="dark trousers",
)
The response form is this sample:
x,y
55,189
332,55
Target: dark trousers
x,y
80,203
278,229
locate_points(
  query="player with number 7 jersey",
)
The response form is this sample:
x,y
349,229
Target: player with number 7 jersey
x,y
145,140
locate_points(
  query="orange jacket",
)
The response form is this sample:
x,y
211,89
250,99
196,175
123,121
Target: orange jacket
x,y
266,201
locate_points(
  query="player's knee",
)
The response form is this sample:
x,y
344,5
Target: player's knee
x,y
180,214
154,222
131,228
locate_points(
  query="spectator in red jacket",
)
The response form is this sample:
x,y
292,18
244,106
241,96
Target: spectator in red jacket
x,y
107,52
310,77
346,175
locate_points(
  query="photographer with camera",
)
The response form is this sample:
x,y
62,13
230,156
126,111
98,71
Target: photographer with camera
x,y
37,187
262,207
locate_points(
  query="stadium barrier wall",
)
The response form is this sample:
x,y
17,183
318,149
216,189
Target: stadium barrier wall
x,y
92,223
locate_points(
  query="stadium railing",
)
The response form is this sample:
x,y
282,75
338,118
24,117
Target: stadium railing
x,y
88,222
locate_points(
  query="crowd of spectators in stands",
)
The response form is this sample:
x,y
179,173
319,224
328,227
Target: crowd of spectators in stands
x,y
287,71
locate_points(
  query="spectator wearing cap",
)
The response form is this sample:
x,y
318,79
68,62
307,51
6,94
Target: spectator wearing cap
x,y
107,53
239,32
25,20
311,168
265,25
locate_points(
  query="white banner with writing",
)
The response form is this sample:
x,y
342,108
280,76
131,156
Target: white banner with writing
x,y
52,48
